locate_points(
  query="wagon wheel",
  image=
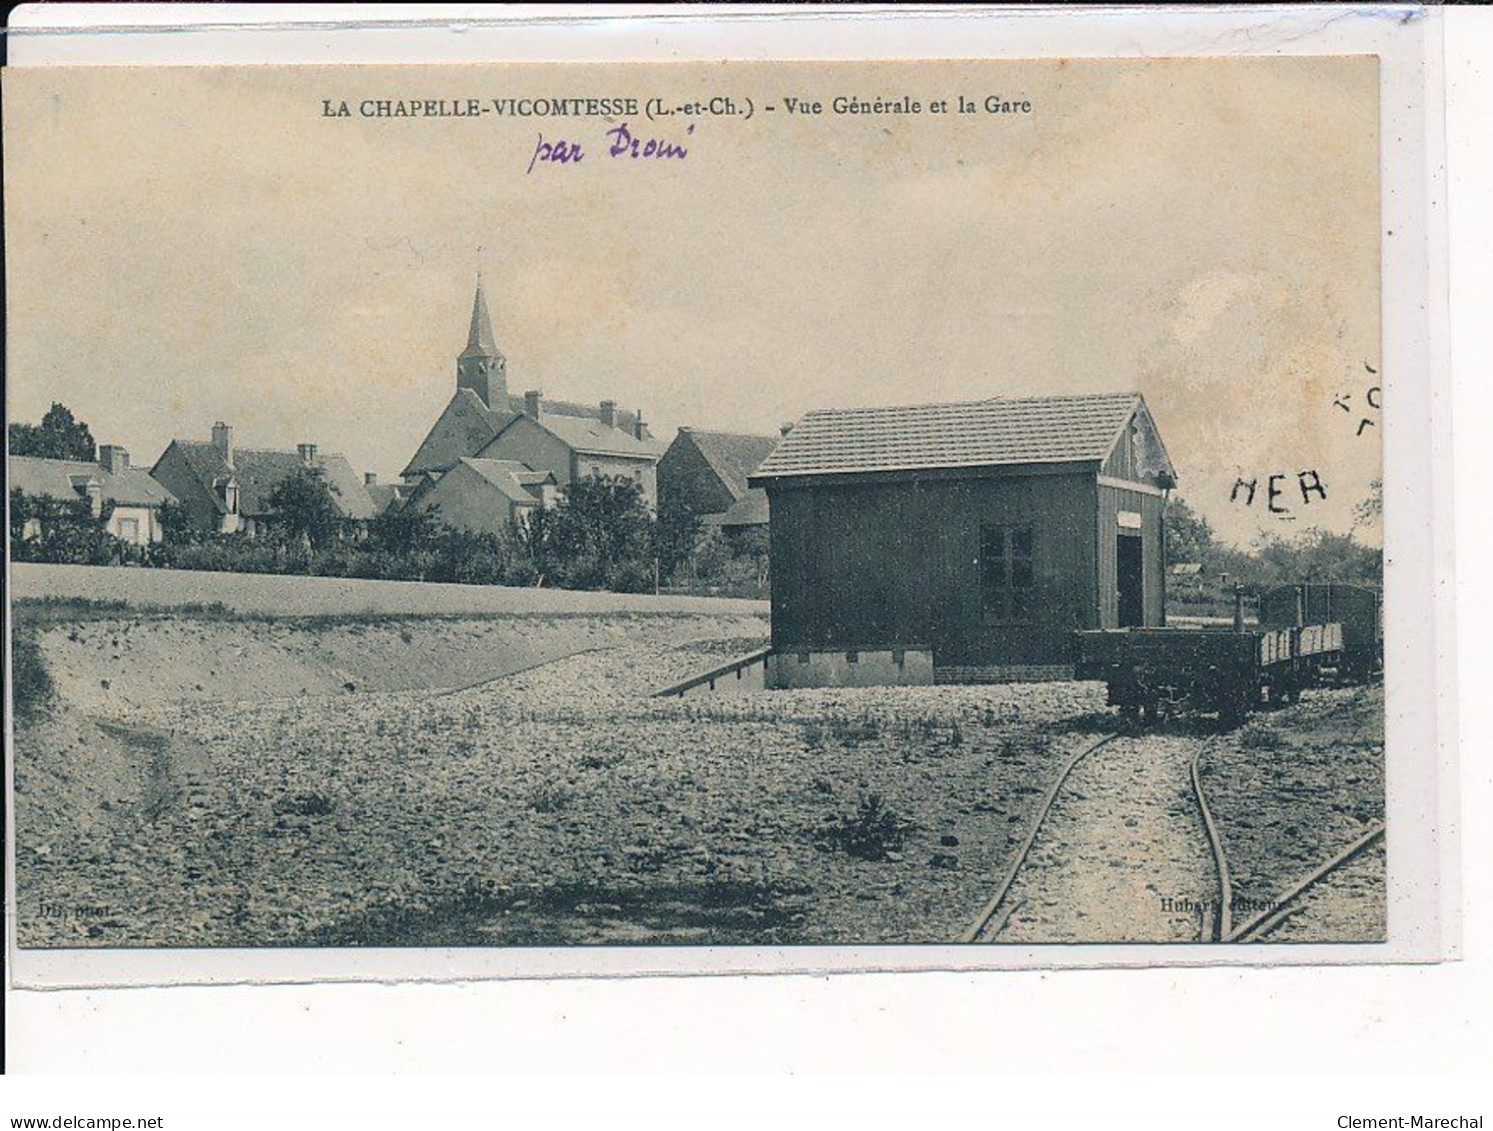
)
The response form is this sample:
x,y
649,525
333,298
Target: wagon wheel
x,y
1233,711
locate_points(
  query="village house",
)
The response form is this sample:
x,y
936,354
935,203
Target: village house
x,y
575,447
134,495
962,542
482,407
484,496
706,472
385,497
226,489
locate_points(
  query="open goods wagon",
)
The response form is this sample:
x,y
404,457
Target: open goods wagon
x,y
1358,608
1160,670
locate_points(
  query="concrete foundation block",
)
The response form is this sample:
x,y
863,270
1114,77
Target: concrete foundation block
x,y
905,667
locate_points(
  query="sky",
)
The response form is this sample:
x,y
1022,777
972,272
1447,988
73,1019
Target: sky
x,y
199,244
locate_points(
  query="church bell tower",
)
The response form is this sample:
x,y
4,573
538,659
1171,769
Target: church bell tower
x,y
481,367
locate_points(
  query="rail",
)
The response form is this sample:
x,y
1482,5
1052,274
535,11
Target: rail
x,y
730,667
986,922
1272,917
1223,924
996,912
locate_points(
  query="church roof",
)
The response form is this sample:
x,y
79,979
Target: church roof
x,y
463,429
480,340
468,423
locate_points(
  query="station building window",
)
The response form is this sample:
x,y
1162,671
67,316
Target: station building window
x,y
1008,578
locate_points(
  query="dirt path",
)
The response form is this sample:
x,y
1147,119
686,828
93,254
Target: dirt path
x,y
1122,857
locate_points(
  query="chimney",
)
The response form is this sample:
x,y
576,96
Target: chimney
x,y
531,403
370,479
307,452
786,428
609,413
114,459
223,441
639,430
90,488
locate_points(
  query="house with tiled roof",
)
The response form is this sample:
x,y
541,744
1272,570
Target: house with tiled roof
x,y
482,406
385,497
575,447
483,496
966,541
706,473
132,495
226,489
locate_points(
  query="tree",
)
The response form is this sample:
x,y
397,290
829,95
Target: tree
x,y
754,545
1317,555
676,531
532,538
1189,537
600,536
404,531
177,527
62,530
59,436
305,509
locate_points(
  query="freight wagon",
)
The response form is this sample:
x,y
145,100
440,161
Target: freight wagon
x,y
1358,608
1155,671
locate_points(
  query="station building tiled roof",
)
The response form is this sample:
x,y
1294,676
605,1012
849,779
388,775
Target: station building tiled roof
x,y
995,432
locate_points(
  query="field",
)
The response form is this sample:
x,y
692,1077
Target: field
x,y
210,777
279,596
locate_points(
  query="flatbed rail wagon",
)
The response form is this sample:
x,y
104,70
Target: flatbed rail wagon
x,y
1155,671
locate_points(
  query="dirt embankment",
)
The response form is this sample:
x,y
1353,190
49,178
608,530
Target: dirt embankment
x,y
112,764
118,667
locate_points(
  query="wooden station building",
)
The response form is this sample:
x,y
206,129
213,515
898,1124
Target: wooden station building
x,y
962,542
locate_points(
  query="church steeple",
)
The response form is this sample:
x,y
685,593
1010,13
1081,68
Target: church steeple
x,y
480,367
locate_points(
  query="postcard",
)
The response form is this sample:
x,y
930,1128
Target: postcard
x,y
699,508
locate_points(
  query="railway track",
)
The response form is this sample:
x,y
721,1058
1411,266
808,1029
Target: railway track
x,y
993,916
1219,927
1258,928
